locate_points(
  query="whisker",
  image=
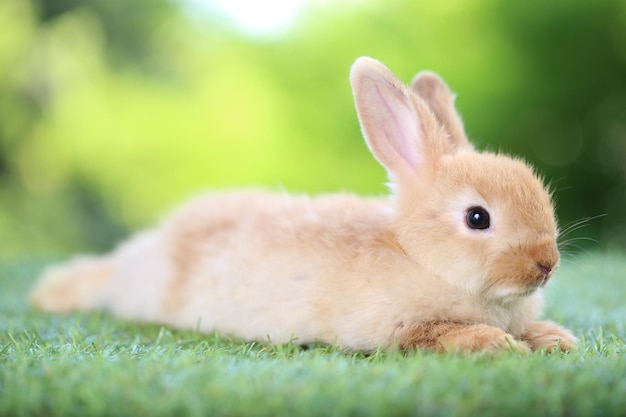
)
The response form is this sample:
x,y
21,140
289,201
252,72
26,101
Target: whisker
x,y
570,261
577,252
566,249
578,224
569,241
575,226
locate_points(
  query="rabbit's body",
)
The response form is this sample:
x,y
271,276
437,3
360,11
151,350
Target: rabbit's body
x,y
280,267
408,271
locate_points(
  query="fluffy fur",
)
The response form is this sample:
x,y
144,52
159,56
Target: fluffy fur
x,y
404,271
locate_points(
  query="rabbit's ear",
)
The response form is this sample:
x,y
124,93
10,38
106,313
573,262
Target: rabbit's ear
x,y
389,118
434,91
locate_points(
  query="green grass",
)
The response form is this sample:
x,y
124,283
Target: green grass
x,y
91,364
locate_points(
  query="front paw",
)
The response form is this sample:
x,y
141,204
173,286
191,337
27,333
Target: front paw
x,y
461,337
481,337
549,336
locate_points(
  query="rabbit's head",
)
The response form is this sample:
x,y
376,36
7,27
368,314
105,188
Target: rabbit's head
x,y
481,221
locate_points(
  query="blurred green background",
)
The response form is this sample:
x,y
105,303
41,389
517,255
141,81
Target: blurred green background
x,y
113,111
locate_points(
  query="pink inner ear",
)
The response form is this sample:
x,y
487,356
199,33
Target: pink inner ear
x,y
401,129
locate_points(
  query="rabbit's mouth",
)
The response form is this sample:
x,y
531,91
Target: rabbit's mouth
x,y
546,271
523,269
536,281
516,278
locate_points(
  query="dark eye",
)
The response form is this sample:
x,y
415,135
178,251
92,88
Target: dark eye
x,y
477,218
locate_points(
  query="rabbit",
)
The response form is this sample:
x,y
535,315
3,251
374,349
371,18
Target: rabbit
x,y
453,260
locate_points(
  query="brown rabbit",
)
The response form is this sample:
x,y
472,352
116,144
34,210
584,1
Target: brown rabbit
x,y
454,260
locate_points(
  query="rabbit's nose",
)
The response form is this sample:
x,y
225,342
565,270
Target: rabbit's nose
x,y
545,254
545,267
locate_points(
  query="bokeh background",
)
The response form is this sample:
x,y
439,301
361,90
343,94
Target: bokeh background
x,y
113,111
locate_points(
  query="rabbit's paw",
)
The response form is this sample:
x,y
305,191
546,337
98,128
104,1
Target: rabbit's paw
x,y
481,337
460,337
549,336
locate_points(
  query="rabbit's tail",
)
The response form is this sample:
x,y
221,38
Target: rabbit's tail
x,y
77,285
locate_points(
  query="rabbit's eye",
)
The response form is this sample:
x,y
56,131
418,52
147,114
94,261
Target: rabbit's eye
x,y
477,218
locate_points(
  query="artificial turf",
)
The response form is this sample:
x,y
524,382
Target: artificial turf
x,y
92,364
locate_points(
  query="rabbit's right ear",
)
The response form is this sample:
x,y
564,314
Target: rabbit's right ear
x,y
434,91
399,128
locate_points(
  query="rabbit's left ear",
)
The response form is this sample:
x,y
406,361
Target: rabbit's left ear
x,y
434,91
391,128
